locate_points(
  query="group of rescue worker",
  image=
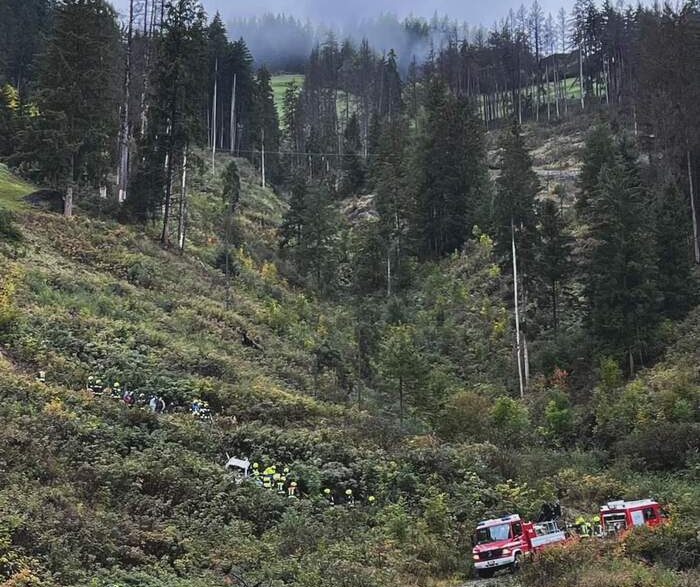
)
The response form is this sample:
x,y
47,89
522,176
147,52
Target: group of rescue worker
x,y
155,403
588,528
285,483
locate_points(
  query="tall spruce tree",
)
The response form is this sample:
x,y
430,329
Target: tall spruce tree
x,y
393,200
676,281
620,263
515,202
553,258
266,117
599,150
79,96
176,104
451,172
353,170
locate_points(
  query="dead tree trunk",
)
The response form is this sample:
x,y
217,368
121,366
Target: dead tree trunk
x,y
233,114
517,310
182,220
213,118
124,133
696,236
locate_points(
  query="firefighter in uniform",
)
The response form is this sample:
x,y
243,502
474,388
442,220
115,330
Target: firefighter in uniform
x,y
268,474
116,391
292,490
41,377
349,498
583,527
256,474
281,481
329,496
98,388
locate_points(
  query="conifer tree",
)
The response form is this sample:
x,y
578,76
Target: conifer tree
x,y
450,172
268,138
598,151
309,234
393,199
620,263
243,129
514,205
177,101
677,285
79,96
553,262
353,171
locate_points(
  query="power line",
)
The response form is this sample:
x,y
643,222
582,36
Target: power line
x,y
299,153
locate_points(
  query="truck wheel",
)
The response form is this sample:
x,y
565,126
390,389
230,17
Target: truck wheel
x,y
515,567
485,573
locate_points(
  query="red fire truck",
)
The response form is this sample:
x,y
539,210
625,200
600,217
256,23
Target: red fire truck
x,y
618,516
503,542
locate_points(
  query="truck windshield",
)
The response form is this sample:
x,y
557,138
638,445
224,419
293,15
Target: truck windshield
x,y
492,534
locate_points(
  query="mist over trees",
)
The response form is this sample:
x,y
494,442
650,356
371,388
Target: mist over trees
x,y
170,89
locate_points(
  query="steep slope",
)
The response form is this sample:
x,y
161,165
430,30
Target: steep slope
x,y
92,492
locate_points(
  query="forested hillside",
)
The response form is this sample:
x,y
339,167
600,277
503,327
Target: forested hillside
x,y
428,291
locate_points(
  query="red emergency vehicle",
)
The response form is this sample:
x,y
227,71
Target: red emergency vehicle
x,y
618,516
503,542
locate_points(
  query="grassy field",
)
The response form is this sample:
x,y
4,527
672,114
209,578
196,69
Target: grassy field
x,y
279,86
12,189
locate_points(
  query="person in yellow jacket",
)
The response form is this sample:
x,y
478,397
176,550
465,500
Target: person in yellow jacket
x,y
268,474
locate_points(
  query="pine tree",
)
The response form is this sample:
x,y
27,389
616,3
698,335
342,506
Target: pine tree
x,y
393,200
245,127
267,119
599,150
292,226
620,264
514,205
309,234
553,259
176,105
677,285
401,364
79,80
353,170
450,172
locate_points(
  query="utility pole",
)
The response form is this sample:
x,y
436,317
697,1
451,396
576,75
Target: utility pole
x,y
124,131
580,78
182,226
517,310
213,118
262,157
696,242
233,114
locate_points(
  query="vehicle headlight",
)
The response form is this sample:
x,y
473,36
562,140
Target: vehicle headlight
x,y
506,551
476,557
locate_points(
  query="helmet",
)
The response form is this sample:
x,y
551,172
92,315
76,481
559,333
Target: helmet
x,y
595,519
293,484
371,499
116,384
91,378
327,491
348,492
580,521
256,466
286,469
